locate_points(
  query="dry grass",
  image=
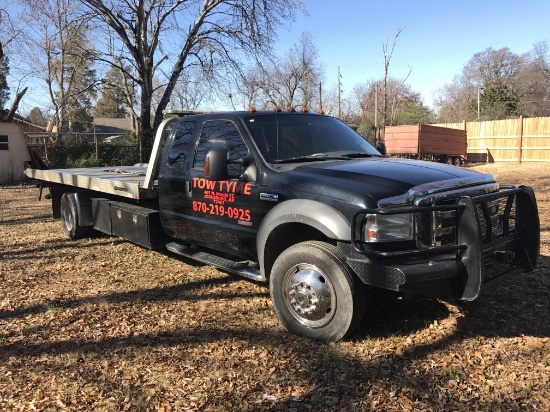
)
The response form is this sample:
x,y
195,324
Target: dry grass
x,y
101,324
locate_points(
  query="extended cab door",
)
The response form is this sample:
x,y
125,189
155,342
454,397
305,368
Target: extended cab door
x,y
218,214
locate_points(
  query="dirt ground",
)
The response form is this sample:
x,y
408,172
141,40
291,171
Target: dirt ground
x,y
101,324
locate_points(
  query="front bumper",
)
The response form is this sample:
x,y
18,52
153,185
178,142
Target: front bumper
x,y
496,236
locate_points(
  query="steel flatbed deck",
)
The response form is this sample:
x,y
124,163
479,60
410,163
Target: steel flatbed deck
x,y
134,182
125,181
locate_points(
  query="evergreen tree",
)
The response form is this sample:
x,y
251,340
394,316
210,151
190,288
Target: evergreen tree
x,y
113,100
496,102
36,117
76,79
415,112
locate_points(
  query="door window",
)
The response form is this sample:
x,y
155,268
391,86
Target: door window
x,y
222,134
181,151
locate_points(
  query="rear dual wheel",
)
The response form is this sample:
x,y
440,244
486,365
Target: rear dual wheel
x,y
454,160
314,292
69,217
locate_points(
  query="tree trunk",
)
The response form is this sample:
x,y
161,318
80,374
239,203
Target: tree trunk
x,y
15,105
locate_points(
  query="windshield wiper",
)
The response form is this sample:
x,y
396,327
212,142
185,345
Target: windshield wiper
x,y
309,158
357,155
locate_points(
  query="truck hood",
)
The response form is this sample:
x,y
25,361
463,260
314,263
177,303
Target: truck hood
x,y
384,178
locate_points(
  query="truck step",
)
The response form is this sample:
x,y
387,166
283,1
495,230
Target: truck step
x,y
231,266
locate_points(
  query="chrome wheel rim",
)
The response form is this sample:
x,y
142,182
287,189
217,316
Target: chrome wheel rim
x,y
68,219
309,295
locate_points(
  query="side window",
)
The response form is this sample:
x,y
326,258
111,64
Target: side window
x,y
222,134
181,151
4,142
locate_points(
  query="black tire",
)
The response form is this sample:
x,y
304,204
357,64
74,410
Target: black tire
x,y
457,161
69,217
314,292
449,160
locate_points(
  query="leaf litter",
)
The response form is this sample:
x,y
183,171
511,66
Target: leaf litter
x,y
101,324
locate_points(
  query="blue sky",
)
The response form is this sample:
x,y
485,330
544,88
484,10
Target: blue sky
x,y
437,40
438,37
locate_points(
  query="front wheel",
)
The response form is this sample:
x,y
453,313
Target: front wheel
x,y
69,217
314,292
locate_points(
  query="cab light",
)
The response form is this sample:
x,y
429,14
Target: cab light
x,y
252,109
305,110
389,228
278,109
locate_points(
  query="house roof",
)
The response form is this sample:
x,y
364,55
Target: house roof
x,y
26,125
117,123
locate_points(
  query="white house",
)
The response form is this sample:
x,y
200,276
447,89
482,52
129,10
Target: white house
x,y
13,153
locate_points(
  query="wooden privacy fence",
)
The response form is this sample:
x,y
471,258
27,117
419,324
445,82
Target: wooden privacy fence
x,y
510,140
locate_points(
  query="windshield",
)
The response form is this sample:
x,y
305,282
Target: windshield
x,y
283,138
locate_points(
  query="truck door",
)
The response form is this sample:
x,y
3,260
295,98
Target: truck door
x,y
218,214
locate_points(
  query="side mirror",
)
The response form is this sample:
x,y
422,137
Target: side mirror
x,y
381,147
215,165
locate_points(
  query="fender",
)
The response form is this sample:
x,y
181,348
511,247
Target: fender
x,y
84,209
324,218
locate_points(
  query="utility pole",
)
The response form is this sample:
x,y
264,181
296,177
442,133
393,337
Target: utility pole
x,y
339,95
478,102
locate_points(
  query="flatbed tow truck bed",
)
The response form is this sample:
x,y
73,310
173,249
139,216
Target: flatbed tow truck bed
x,y
133,182
125,181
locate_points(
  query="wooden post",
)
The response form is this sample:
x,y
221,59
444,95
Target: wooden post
x,y
520,138
464,128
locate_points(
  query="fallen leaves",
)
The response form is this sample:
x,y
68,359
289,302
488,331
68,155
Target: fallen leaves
x,y
101,324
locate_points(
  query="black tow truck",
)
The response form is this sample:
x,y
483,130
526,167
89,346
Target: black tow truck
x,y
301,201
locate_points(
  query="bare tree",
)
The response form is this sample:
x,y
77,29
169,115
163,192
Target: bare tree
x,y
453,102
164,38
8,33
535,81
289,82
494,76
191,92
249,87
388,53
62,55
404,105
294,80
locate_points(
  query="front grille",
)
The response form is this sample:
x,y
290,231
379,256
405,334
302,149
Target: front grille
x,y
437,228
496,218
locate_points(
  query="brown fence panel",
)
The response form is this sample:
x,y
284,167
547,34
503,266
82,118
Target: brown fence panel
x,y
510,140
536,140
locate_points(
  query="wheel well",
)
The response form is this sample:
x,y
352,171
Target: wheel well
x,y
56,192
286,235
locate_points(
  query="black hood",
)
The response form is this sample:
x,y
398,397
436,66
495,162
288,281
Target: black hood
x,y
382,178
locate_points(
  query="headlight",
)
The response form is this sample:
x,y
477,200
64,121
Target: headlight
x,y
389,228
